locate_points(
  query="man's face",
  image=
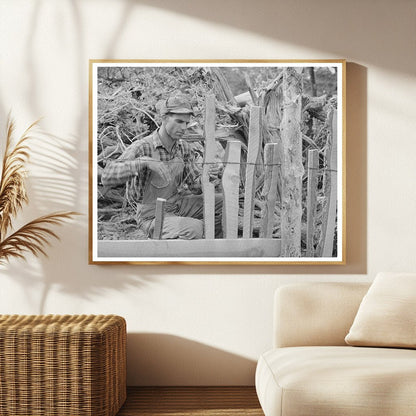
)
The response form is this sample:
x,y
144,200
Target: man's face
x,y
176,124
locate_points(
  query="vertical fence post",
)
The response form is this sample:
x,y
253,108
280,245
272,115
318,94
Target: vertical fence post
x,y
209,157
313,165
270,187
333,188
230,185
254,147
292,167
159,218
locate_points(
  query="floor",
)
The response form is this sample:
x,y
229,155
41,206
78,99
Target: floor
x,y
187,401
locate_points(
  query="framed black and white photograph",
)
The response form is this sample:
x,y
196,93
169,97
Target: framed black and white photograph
x,y
217,162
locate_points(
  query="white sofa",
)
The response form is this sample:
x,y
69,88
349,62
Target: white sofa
x,y
311,371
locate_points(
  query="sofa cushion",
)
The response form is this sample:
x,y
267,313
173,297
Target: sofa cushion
x,y
387,314
304,381
315,314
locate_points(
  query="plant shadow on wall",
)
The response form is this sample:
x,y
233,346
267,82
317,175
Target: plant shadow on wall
x,y
336,27
59,180
77,85
52,186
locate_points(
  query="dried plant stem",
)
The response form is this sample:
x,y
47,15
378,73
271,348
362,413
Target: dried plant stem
x,y
33,236
12,183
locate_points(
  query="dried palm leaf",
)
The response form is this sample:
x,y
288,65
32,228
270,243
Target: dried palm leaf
x,y
12,183
33,237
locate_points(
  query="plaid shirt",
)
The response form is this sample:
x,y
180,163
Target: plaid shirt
x,y
127,169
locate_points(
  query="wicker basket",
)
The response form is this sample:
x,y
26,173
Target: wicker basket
x,y
71,365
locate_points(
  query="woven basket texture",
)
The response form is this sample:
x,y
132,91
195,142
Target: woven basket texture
x,y
53,365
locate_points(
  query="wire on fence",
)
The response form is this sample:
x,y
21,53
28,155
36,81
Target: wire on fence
x,y
171,162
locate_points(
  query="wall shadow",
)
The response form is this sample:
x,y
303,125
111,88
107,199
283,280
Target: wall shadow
x,y
168,360
336,27
38,283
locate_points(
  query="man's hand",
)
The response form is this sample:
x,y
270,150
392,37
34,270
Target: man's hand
x,y
215,171
160,170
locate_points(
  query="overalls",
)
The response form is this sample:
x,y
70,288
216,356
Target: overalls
x,y
183,213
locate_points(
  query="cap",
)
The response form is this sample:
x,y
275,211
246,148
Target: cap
x,y
177,104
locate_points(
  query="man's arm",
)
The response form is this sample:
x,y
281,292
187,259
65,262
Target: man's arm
x,y
119,171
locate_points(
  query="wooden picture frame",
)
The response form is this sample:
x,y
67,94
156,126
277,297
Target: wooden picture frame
x,y
274,129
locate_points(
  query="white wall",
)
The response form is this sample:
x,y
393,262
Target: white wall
x,y
204,324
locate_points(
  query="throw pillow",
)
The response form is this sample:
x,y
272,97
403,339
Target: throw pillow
x,y
387,314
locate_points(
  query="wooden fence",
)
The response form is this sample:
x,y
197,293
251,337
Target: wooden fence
x,y
272,165
235,242
246,246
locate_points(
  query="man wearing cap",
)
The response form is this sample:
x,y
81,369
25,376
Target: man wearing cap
x,y
162,165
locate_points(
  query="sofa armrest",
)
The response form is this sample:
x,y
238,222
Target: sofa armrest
x,y
315,313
